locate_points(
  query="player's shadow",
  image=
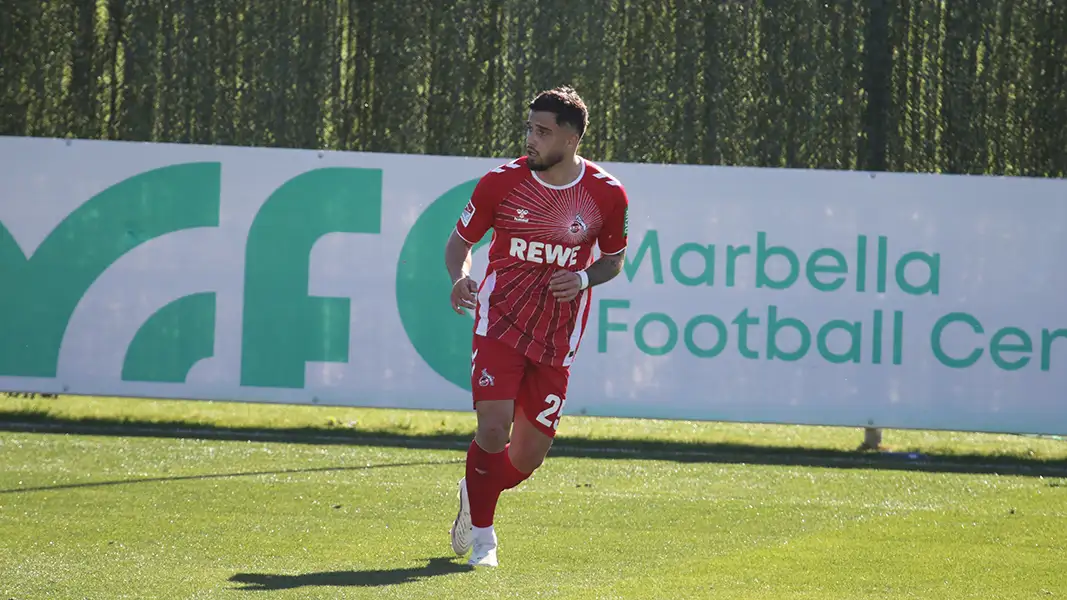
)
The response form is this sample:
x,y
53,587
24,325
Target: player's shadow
x,y
205,476
369,578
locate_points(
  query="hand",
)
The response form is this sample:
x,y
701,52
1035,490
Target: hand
x,y
464,291
564,285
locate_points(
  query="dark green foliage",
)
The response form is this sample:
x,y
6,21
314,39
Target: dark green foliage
x,y
957,86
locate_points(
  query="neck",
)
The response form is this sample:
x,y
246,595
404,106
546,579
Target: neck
x,y
563,173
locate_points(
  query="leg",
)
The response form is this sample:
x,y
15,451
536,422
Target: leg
x,y
529,446
493,464
532,434
538,411
496,372
484,463
484,459
494,424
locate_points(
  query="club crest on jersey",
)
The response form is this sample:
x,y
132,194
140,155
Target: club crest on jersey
x,y
486,379
578,225
468,214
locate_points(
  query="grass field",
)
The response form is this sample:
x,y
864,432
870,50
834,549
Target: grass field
x,y
150,499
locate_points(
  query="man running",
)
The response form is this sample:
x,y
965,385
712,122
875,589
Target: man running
x,y
547,210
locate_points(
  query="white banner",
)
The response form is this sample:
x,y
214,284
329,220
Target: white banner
x,y
764,295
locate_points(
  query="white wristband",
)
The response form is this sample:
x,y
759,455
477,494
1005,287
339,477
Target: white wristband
x,y
584,280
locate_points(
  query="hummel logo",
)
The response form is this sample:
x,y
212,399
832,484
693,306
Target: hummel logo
x,y
521,215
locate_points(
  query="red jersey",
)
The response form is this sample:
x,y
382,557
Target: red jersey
x,y
539,229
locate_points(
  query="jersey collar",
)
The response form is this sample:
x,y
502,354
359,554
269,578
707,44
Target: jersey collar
x,y
564,186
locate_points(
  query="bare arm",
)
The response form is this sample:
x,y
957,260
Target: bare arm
x,y
458,263
565,284
606,268
457,257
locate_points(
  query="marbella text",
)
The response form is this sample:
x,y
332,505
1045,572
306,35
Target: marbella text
x,y
957,339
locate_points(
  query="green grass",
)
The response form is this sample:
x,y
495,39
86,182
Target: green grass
x,y
113,516
574,430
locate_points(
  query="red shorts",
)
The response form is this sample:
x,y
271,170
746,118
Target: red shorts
x,y
500,372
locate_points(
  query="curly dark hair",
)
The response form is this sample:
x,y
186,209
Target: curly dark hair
x,y
567,106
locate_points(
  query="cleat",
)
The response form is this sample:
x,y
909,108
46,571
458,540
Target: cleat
x,y
461,527
484,554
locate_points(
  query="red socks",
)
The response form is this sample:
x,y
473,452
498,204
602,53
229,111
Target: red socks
x,y
487,476
479,482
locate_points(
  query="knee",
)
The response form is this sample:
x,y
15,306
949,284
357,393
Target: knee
x,y
492,437
526,458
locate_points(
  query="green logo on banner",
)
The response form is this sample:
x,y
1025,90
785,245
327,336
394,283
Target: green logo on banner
x,y
441,337
40,292
284,327
172,340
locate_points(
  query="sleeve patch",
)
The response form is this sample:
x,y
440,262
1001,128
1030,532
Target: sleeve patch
x,y
468,214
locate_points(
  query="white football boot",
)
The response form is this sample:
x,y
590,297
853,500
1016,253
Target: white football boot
x,y
461,527
484,554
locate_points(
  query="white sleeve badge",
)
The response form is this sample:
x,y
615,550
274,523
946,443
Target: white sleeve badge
x,y
468,214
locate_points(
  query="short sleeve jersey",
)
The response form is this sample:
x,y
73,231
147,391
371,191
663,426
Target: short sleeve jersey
x,y
539,229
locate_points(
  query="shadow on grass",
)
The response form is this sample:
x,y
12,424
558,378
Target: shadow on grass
x,y
369,578
93,484
707,452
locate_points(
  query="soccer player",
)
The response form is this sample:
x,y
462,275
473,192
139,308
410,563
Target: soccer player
x,y
547,210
